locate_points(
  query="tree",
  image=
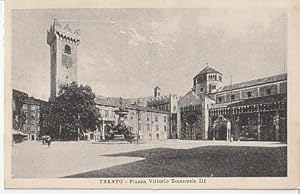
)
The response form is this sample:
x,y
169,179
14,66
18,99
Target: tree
x,y
73,108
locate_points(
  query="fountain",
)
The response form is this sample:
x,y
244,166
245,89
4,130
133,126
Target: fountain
x,y
120,131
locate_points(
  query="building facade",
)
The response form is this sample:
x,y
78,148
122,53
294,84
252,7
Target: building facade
x,y
150,124
27,114
193,120
251,110
257,110
167,103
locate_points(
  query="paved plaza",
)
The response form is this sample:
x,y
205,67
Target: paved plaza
x,y
34,160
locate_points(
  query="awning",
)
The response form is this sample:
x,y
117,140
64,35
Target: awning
x,y
17,132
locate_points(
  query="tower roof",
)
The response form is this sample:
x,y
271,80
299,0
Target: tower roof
x,y
206,70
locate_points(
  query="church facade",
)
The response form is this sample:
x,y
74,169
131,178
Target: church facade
x,y
251,110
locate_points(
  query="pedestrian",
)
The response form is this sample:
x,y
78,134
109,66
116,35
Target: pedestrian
x,y
49,141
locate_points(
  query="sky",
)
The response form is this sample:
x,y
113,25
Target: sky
x,y
127,52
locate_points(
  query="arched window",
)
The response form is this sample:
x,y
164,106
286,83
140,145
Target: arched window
x,y
249,94
199,80
232,97
268,91
220,99
67,49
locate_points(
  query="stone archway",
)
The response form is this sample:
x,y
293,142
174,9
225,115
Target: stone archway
x,y
221,131
221,128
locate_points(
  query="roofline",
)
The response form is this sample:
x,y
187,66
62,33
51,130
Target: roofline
x,y
206,73
254,84
146,109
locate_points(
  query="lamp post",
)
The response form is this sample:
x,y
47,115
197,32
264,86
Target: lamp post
x,y
230,112
60,132
138,115
78,129
102,129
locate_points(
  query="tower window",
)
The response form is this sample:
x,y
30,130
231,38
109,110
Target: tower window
x,y
220,99
220,78
201,89
67,49
249,94
232,97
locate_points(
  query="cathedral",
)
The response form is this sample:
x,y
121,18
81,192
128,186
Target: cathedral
x,y
250,110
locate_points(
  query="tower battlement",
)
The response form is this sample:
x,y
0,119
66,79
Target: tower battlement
x,y
65,33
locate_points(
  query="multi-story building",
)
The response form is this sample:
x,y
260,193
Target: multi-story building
x,y
150,124
26,114
167,103
256,109
251,110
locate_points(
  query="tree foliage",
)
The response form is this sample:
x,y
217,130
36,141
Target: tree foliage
x,y
73,108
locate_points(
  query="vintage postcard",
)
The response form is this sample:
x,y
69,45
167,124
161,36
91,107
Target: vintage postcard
x,y
156,95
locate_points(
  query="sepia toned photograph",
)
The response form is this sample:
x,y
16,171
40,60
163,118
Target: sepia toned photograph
x,y
147,93
172,96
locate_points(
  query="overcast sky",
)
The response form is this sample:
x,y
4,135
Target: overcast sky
x,y
127,52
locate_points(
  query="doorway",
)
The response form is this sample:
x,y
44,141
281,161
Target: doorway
x,y
221,131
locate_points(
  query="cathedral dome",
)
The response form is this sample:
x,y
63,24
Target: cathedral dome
x,y
207,70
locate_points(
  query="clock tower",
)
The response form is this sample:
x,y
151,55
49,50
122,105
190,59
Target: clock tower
x,y
63,42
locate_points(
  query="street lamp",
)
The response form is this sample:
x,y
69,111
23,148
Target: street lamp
x,y
77,123
138,129
78,129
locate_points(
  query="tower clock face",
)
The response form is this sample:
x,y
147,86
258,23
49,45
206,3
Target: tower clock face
x,y
67,61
